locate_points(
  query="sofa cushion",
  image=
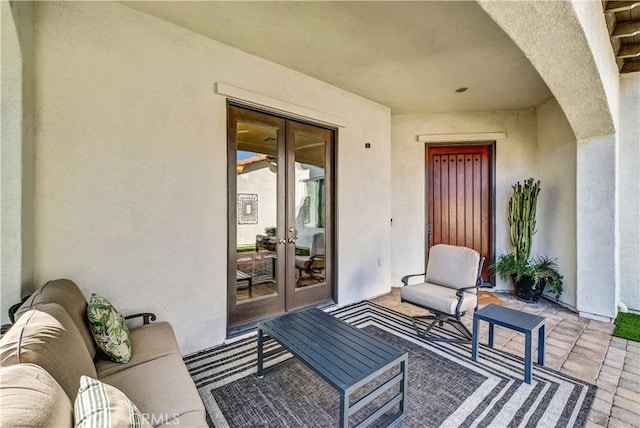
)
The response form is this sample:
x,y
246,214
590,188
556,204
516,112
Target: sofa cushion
x,y
46,336
109,329
161,388
101,405
30,397
150,341
67,294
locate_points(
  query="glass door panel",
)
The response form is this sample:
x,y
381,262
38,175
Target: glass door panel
x,y
255,216
309,152
280,215
257,201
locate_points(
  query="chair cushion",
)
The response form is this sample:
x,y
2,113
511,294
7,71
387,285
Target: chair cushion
x,y
101,405
30,397
160,388
301,260
109,329
67,294
150,341
433,296
46,336
452,266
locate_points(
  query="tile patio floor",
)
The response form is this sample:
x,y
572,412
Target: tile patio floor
x,y
575,346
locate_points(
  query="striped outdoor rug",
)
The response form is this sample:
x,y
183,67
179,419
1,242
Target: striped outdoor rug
x,y
445,389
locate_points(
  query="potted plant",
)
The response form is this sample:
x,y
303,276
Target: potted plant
x,y
529,276
267,241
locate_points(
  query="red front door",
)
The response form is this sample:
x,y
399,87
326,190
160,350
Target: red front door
x,y
458,198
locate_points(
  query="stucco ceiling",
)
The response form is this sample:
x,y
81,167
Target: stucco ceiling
x,y
410,56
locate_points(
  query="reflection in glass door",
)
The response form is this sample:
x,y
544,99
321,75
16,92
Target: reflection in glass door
x,y
280,215
309,149
256,213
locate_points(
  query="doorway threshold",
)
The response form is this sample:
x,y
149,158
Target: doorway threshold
x,y
251,327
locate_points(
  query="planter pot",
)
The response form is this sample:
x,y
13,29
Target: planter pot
x,y
525,291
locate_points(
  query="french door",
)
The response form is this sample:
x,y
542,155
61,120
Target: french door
x,y
459,195
280,215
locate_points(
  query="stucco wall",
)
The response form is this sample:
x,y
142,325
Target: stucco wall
x,y
592,19
629,184
131,165
589,99
16,153
533,27
556,235
516,159
597,294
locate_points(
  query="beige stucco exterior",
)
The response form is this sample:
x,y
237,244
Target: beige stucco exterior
x,y
16,153
131,165
516,159
629,185
127,192
556,165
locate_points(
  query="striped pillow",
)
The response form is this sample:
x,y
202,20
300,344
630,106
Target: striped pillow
x,y
102,405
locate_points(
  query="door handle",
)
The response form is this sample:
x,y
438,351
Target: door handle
x,y
291,240
281,241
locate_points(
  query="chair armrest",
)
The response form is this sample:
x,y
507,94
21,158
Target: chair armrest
x,y
315,263
146,316
405,279
14,308
460,291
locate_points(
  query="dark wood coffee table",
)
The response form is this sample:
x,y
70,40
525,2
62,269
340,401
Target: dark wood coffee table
x,y
341,354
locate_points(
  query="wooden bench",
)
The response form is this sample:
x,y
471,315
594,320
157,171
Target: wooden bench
x,y
344,356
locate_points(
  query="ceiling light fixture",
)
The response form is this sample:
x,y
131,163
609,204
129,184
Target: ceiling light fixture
x,y
461,90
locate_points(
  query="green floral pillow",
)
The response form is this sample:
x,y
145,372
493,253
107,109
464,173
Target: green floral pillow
x,y
109,329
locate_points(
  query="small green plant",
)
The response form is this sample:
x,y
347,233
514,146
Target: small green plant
x,y
541,269
270,231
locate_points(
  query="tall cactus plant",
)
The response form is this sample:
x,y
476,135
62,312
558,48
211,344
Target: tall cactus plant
x,y
529,276
522,218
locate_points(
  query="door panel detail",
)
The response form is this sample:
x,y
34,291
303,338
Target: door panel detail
x,y
458,198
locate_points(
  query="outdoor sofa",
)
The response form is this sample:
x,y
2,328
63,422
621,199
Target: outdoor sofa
x,y
50,347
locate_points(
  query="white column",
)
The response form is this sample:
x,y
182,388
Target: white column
x,y
16,153
596,228
10,162
629,190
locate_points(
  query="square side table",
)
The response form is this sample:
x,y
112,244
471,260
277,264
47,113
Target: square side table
x,y
514,320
